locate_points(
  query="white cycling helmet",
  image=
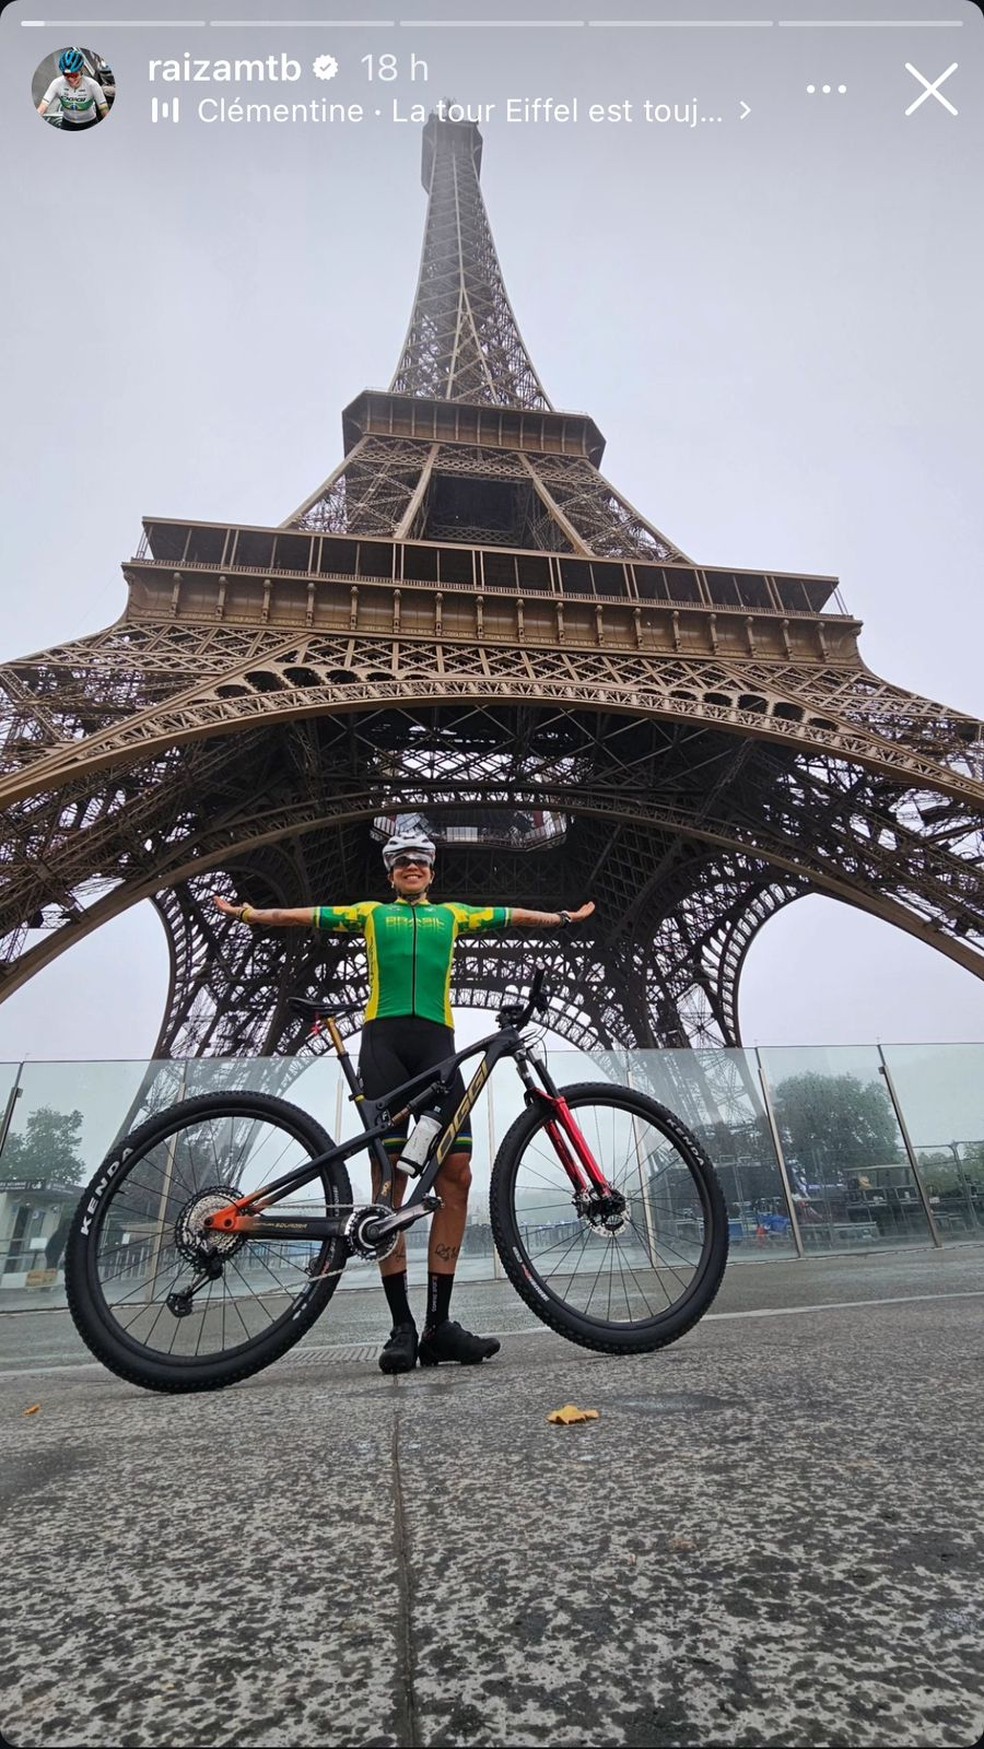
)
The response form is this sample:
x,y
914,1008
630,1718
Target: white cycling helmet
x,y
413,844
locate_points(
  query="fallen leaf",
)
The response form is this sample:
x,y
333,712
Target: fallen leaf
x,y
35,1409
570,1413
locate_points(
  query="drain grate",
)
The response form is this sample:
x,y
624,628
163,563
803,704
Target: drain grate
x,y
680,1402
352,1354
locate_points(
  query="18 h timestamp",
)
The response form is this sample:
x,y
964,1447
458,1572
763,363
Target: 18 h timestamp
x,y
386,68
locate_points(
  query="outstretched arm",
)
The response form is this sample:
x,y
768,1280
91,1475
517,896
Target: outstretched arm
x,y
551,919
300,919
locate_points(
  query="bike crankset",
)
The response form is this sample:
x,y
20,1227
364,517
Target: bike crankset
x,y
374,1232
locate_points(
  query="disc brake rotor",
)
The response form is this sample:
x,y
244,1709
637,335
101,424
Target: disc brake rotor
x,y
606,1215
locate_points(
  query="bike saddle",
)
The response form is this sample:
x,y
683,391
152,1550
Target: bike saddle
x,y
319,1010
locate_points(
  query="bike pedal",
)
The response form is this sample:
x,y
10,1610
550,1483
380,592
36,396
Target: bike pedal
x,y
432,1203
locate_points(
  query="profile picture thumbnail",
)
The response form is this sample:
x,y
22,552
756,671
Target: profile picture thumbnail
x,y
73,89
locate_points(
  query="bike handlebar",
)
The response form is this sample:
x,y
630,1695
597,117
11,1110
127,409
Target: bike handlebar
x,y
518,1014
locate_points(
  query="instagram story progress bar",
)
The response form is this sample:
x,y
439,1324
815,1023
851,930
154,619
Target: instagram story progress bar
x,y
493,23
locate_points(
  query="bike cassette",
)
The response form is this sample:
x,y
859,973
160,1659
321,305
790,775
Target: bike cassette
x,y
358,1227
196,1245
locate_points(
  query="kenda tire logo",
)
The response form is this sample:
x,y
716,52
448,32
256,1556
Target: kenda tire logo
x,y
531,1278
93,1203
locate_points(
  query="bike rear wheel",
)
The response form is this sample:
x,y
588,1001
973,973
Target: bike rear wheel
x,y
137,1241
630,1277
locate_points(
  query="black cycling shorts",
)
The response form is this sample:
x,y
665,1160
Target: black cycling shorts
x,y
395,1049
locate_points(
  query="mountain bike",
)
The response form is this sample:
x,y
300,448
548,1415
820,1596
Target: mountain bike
x,y
605,1210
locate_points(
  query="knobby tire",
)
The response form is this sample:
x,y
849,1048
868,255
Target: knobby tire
x,y
92,1312
606,1335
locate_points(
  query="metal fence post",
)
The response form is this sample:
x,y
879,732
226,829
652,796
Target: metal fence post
x,y
643,1188
5,1122
339,1092
780,1156
934,1231
157,1241
497,1269
8,1111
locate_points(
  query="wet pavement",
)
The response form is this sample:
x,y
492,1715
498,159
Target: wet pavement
x,y
772,1534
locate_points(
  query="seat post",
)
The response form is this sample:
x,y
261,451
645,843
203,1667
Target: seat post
x,y
348,1070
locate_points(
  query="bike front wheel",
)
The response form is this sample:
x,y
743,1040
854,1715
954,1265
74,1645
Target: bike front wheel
x,y
630,1275
137,1243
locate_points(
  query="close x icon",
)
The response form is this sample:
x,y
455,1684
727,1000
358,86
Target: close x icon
x,y
931,88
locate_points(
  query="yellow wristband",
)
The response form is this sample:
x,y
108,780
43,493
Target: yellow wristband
x,y
243,917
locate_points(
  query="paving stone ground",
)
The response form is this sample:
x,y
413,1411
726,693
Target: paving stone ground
x,y
772,1535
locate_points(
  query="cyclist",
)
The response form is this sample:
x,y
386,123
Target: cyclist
x,y
81,100
408,1028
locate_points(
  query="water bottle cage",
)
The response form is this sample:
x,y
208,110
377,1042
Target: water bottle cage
x,y
416,1149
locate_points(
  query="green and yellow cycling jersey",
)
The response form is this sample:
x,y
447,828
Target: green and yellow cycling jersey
x,y
410,948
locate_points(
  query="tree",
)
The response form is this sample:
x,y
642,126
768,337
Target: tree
x,y
835,1123
972,1162
47,1151
947,1173
744,1158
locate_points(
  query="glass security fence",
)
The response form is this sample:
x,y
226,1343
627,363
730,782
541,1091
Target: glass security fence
x,y
818,1151
62,1119
940,1089
720,1098
852,1180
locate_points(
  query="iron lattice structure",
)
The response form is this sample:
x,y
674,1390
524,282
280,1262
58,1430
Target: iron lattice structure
x,y
466,621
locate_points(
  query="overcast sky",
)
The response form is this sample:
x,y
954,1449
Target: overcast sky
x,y
774,321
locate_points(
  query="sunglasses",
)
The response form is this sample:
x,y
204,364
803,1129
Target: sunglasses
x,y
411,862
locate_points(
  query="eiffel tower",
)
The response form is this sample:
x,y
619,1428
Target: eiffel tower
x,y
467,624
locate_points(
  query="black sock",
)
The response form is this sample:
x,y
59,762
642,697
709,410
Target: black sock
x,y
438,1298
395,1289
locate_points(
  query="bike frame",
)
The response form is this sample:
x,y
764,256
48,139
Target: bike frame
x,y
246,1216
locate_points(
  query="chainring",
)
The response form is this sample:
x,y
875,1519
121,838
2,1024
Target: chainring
x,y
355,1234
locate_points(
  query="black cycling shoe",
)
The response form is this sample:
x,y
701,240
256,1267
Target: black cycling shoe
x,y
400,1352
449,1341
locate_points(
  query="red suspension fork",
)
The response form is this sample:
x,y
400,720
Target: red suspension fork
x,y
571,1148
